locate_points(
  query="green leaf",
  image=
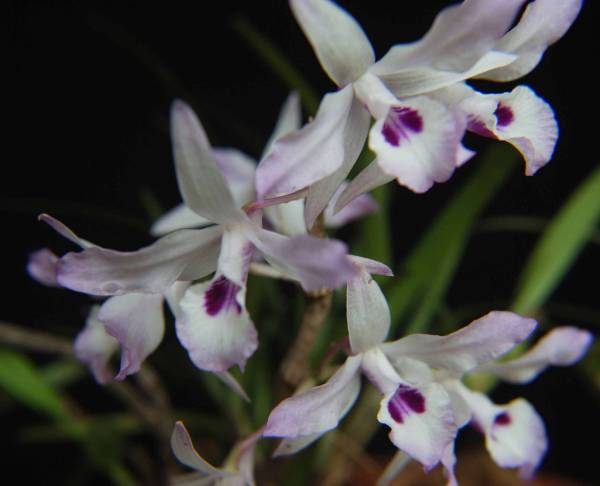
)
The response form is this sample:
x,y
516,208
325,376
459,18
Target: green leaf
x,y
558,247
427,273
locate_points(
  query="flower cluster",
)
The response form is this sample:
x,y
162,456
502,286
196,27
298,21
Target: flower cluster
x,y
413,108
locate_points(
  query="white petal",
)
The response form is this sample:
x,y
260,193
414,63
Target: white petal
x,y
359,207
289,120
201,183
563,346
322,192
213,323
239,170
305,156
288,447
182,446
287,218
184,254
459,37
233,384
417,142
482,340
449,461
543,23
515,435
137,322
179,217
369,178
339,42
319,409
64,231
367,312
371,266
94,347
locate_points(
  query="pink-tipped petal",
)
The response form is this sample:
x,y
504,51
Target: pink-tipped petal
x,y
41,267
340,44
310,154
562,346
94,347
318,409
201,182
482,340
417,142
316,262
183,448
185,254
542,24
137,322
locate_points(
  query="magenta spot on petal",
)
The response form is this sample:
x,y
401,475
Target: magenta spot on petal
x,y
399,123
502,419
504,115
221,296
406,400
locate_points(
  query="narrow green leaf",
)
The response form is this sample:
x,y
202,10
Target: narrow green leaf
x,y
424,277
558,247
277,61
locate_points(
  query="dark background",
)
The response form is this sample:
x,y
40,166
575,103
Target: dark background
x,y
90,85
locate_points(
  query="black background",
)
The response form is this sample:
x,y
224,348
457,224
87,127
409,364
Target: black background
x,y
90,84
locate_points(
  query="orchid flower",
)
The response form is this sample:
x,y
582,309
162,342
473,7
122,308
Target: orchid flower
x,y
238,470
417,96
211,321
239,171
424,402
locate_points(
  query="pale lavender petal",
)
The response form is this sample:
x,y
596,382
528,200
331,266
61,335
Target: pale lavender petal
x,y
417,142
515,435
41,266
233,384
213,323
543,23
339,42
459,37
316,262
201,182
289,120
319,409
174,294
482,340
64,231
357,208
183,448
239,170
94,347
179,217
563,346
138,324
371,266
310,154
185,254
369,178
288,447
321,192
367,312
287,218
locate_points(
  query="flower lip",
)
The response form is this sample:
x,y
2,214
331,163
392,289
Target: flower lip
x,y
406,400
221,296
400,121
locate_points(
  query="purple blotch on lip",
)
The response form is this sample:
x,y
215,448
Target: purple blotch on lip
x,y
221,296
399,122
404,401
502,419
504,115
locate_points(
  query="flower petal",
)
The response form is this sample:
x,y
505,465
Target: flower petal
x,y
179,217
340,44
417,142
213,324
367,312
563,346
316,262
137,322
184,451
185,254
64,231
371,266
287,447
420,417
305,156
318,409
542,24
459,37
482,340
41,266
233,384
201,182
94,347
359,207
515,435
322,192
369,178
239,170
289,120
